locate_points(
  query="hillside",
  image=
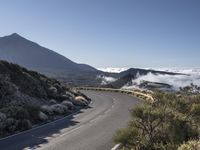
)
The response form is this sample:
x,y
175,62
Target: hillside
x,y
120,82
16,49
125,78
28,98
137,71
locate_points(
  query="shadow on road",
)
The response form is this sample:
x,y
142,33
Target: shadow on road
x,y
33,138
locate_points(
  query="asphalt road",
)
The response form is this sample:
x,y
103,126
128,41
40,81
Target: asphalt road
x,y
90,129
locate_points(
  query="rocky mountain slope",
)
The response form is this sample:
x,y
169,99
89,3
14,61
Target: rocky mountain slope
x,y
17,49
129,80
28,98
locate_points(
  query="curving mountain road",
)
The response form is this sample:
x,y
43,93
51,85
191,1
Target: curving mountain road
x,y
90,129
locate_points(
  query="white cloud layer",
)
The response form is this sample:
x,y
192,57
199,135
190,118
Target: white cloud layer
x,y
113,69
193,76
106,80
175,80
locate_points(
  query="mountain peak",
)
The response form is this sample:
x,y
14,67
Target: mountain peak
x,y
14,35
17,49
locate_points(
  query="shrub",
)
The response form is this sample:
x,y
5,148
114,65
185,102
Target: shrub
x,y
128,137
33,111
164,124
190,145
24,124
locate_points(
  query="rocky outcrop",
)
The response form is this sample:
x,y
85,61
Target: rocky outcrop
x,y
43,116
80,101
28,98
59,108
47,109
69,104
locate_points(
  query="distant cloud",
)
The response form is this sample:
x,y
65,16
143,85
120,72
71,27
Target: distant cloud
x,y
113,69
106,80
192,76
175,80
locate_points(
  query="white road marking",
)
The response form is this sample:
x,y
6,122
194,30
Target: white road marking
x,y
116,147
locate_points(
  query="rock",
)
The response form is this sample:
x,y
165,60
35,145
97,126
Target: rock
x,y
69,95
11,124
53,90
52,101
79,103
2,117
69,104
47,109
24,124
64,96
59,108
2,121
43,116
80,100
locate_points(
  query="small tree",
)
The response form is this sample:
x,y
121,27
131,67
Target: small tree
x,y
164,124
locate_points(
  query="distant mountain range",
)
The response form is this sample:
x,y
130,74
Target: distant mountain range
x,y
17,49
126,81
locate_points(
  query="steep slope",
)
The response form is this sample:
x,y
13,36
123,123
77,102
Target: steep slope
x,y
16,49
28,98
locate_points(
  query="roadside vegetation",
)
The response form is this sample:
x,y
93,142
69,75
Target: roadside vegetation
x,y
28,98
171,122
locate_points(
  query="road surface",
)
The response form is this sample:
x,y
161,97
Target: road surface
x,y
90,129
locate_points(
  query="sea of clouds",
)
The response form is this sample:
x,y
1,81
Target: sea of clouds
x,y
106,80
189,75
113,69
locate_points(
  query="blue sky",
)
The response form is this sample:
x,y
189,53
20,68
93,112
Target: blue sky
x,y
117,33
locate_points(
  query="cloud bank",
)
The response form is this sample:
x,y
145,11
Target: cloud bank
x,y
106,80
175,80
192,76
113,69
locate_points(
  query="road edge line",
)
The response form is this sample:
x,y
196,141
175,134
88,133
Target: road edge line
x,y
40,126
116,147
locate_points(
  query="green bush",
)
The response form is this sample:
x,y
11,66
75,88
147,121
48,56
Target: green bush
x,y
33,111
164,124
127,137
190,145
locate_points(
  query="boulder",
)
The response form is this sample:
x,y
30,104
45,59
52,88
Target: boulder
x,y
59,108
69,95
80,101
69,104
53,101
53,90
24,124
47,109
2,117
11,124
43,116
2,121
64,96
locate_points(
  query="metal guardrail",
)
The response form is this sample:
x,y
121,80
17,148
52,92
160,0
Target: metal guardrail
x,y
130,92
